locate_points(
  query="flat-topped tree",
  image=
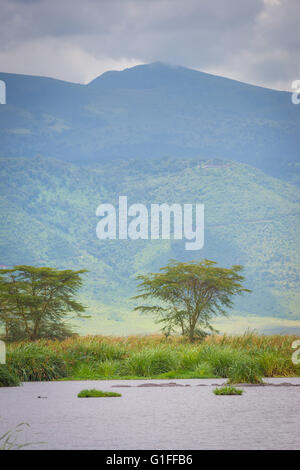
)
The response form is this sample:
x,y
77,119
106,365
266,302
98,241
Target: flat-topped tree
x,y
34,301
189,295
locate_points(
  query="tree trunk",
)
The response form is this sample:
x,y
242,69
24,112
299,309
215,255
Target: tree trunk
x,y
34,334
192,334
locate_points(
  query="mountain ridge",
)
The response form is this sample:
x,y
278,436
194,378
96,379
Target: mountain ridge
x,y
150,111
170,69
148,66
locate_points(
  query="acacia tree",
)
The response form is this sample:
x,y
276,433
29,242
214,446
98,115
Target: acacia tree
x,y
189,295
34,301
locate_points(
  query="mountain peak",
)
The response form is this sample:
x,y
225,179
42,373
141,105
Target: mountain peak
x,y
161,75
142,76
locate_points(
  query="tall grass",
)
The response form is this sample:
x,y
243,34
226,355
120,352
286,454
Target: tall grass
x,y
190,357
245,370
149,362
89,349
7,378
99,370
254,342
9,440
244,358
35,362
235,364
274,365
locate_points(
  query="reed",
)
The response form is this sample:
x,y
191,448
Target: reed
x,y
243,358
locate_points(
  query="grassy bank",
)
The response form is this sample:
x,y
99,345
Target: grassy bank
x,y
244,358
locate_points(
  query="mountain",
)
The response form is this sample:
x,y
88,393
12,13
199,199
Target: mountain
x,y
157,134
150,111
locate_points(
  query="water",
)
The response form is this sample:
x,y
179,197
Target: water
x,y
168,417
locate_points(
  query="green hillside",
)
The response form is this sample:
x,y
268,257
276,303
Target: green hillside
x,y
48,218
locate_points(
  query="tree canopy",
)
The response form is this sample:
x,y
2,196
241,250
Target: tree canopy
x,y
35,301
189,295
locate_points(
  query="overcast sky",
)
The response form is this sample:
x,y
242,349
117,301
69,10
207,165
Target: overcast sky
x,y
255,41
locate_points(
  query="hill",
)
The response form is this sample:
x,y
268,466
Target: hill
x,y
48,218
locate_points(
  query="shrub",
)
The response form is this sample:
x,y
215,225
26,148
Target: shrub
x,y
7,378
93,393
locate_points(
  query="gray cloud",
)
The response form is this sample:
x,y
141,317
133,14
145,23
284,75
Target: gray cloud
x,y
255,41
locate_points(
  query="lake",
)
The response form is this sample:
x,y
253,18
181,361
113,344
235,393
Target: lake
x,y
147,416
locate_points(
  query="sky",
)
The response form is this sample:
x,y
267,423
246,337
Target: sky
x,y
254,41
